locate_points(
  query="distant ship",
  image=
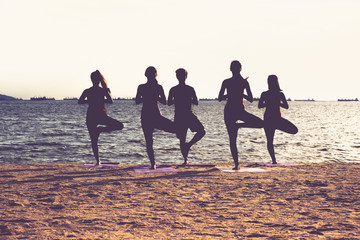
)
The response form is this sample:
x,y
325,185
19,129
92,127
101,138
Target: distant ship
x,y
41,98
348,100
257,99
74,98
305,100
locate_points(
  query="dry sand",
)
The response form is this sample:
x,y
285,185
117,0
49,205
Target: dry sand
x,y
65,201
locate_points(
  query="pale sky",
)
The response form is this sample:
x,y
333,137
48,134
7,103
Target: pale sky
x,y
50,47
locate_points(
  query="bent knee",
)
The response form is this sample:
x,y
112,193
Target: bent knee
x,y
120,126
295,130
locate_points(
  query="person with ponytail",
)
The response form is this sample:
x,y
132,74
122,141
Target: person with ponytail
x,y
150,94
96,97
272,100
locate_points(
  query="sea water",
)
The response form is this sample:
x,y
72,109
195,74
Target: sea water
x,y
55,131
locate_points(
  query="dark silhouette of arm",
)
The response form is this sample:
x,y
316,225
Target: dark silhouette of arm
x,y
171,97
262,102
162,98
194,99
139,97
82,98
108,98
283,102
249,95
222,95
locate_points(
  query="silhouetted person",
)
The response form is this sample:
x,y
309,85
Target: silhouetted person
x,y
273,99
183,96
96,97
235,109
149,94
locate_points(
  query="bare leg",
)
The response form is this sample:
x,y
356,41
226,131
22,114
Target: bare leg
x,y
198,136
94,136
270,132
286,126
250,121
232,131
148,133
111,125
184,147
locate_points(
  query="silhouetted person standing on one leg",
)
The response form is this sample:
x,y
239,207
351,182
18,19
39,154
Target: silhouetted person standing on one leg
x,y
235,109
149,94
183,96
96,97
273,99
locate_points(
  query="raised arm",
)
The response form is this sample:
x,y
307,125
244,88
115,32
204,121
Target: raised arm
x,y
171,99
194,99
108,98
262,102
83,97
103,82
249,95
139,97
222,95
162,98
283,102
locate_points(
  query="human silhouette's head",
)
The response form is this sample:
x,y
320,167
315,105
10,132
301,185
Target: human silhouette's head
x,y
96,77
151,73
235,66
273,83
181,75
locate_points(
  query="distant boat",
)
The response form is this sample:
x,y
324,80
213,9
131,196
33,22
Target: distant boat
x,y
207,99
41,98
305,100
74,98
348,100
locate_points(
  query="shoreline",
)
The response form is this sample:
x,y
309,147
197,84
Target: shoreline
x,y
66,201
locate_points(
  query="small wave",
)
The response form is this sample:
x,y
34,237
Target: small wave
x,y
44,144
55,134
38,150
9,148
136,155
134,141
356,146
168,149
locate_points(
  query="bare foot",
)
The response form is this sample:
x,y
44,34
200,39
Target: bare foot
x,y
185,151
153,167
236,167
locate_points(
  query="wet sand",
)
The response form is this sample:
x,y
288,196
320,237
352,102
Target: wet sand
x,y
66,201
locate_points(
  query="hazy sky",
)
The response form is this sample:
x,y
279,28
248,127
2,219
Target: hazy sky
x,y
50,47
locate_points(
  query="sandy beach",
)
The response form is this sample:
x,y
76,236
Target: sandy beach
x,y
66,201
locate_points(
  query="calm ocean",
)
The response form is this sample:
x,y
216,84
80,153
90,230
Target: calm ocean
x,y
55,131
